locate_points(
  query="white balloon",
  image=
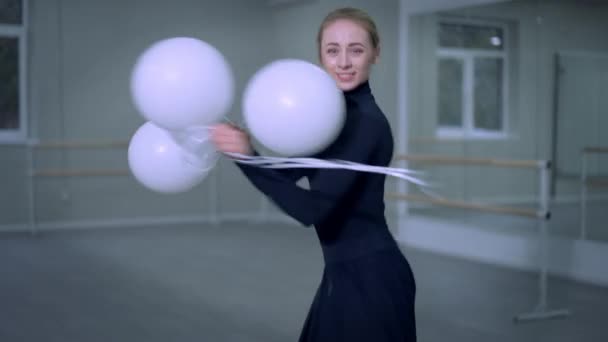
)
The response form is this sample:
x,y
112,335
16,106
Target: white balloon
x,y
181,82
159,163
293,107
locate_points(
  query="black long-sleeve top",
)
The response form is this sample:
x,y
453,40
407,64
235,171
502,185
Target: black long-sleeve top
x,y
346,207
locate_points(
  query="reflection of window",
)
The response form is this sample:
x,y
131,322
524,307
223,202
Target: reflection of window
x,y
12,63
472,81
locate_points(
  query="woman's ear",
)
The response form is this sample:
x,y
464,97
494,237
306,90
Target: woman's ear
x,y
376,57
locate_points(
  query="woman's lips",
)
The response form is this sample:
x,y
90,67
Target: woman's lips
x,y
345,76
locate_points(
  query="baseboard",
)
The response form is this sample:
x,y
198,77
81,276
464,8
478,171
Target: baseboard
x,y
580,260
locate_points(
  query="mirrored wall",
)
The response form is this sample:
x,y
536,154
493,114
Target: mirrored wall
x,y
519,81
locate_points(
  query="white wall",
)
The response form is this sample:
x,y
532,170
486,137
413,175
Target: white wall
x,y
82,53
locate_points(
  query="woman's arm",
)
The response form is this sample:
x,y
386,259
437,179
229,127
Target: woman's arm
x,y
229,138
291,174
311,207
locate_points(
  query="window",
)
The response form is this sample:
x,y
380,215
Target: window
x,y
13,126
472,79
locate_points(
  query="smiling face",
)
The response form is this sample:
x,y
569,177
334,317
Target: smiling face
x,y
347,53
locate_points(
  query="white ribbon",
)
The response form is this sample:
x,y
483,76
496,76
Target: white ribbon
x,y
312,163
200,152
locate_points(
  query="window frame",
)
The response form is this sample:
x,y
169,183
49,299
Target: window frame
x,y
467,57
19,31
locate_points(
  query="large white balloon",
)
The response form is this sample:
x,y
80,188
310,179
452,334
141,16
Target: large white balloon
x,y
293,107
181,82
159,163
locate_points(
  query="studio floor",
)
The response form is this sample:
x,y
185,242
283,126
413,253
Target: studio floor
x,y
249,282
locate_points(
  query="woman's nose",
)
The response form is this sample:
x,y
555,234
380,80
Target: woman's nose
x,y
344,61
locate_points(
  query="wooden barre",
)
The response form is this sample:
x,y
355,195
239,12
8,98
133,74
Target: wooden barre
x,y
80,145
597,181
429,159
80,173
471,206
432,159
436,141
428,140
595,149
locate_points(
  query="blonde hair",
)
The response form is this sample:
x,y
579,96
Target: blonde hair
x,y
353,14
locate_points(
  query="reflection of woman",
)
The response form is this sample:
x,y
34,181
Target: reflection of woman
x,y
368,289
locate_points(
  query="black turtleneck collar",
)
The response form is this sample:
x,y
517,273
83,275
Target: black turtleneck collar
x,y
361,89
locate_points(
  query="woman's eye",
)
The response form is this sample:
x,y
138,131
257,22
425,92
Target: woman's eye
x,y
358,51
332,51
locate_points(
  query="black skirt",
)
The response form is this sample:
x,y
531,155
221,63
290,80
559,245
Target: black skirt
x,y
368,298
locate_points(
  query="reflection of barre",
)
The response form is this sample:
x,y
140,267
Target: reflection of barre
x,y
595,149
587,182
35,145
465,205
80,173
433,159
79,145
598,182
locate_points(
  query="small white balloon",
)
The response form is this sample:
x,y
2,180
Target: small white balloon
x,y
293,107
181,82
159,163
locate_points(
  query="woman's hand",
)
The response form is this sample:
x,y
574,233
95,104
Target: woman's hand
x,y
231,139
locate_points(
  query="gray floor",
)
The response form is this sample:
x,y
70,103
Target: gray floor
x,y
248,283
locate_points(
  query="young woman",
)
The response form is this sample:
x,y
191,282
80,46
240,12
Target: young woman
x,y
367,291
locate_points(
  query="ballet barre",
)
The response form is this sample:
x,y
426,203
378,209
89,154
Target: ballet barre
x,y
597,182
587,182
512,163
79,145
59,173
595,149
542,214
67,173
530,213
